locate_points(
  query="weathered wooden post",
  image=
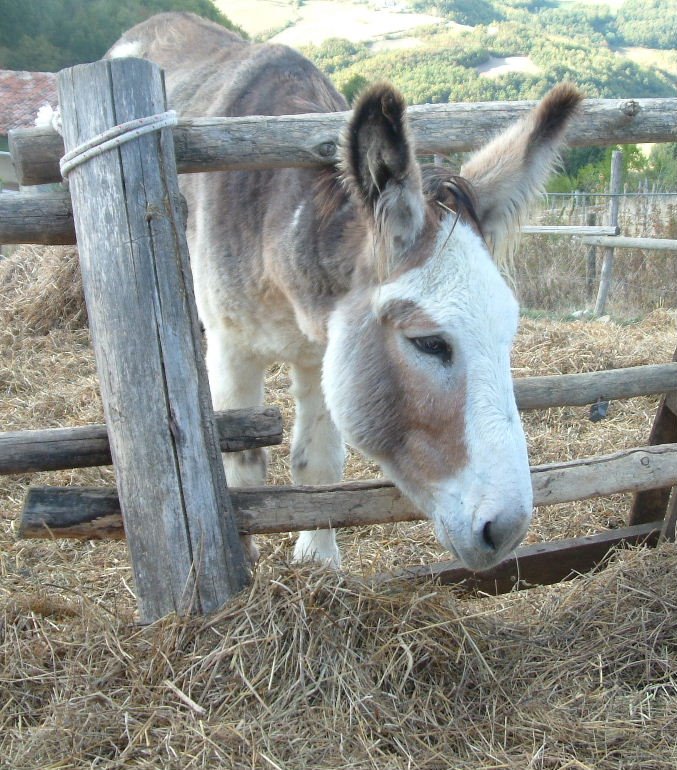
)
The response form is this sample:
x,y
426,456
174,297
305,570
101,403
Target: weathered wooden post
x,y
653,504
186,555
615,187
591,261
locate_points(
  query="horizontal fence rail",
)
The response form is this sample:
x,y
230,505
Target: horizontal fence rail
x,y
537,564
589,230
213,144
85,446
623,242
47,218
54,449
95,513
588,387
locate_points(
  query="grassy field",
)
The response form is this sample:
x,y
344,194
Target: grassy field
x,y
316,20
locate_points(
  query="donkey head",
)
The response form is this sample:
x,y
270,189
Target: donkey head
x,y
417,367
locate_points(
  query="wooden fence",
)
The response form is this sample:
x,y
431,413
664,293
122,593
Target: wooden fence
x,y
181,521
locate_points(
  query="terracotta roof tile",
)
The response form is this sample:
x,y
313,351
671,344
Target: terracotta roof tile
x,y
21,96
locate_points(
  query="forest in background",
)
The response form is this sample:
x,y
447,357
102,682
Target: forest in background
x,y
48,35
580,42
571,41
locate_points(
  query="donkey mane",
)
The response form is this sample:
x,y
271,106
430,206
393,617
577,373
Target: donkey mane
x,y
447,191
443,192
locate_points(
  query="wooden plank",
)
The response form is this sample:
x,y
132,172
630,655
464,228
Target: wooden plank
x,y
184,546
587,230
48,218
651,505
590,262
615,188
219,144
650,244
37,218
669,528
82,447
534,565
59,448
63,512
587,388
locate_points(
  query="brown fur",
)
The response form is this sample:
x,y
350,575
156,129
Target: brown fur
x,y
289,265
509,171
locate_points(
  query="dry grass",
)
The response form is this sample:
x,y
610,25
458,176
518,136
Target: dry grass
x,y
551,270
310,669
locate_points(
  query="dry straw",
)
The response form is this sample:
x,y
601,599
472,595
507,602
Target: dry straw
x,y
310,669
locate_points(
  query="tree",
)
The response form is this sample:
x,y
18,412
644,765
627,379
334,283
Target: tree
x,y
48,35
651,23
663,166
353,86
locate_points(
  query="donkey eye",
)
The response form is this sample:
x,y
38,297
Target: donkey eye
x,y
434,346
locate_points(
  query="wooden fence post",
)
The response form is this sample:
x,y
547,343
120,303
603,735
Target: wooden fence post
x,y
615,187
591,261
652,504
186,555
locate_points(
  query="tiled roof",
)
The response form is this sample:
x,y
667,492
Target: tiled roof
x,y
21,96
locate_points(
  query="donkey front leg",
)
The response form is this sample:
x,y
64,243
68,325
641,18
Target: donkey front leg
x,y
236,381
317,457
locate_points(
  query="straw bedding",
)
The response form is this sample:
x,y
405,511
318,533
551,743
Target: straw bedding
x,y
311,669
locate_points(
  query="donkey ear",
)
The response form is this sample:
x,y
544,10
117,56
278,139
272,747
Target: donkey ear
x,y
510,171
379,166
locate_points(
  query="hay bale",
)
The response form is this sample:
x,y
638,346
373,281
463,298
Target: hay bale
x,y
41,289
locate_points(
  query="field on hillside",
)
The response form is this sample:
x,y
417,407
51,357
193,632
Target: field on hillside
x,y
312,669
521,49
298,24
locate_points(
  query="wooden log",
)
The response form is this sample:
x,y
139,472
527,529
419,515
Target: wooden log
x,y
587,388
621,242
587,230
82,447
184,546
72,512
59,448
652,504
590,262
219,144
48,218
37,218
615,188
534,565
669,528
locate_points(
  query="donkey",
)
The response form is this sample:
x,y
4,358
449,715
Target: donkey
x,y
373,279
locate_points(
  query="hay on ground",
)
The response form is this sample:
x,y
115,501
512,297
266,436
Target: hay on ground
x,y
310,669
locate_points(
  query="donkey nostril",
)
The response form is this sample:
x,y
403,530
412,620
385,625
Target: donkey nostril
x,y
487,536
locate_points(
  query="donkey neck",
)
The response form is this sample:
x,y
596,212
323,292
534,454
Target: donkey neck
x,y
317,237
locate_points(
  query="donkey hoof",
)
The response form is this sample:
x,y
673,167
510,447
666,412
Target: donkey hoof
x,y
318,547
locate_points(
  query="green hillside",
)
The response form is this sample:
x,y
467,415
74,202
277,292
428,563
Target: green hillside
x,y
48,35
481,50
562,41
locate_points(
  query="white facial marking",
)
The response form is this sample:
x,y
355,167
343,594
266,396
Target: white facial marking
x,y
482,511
